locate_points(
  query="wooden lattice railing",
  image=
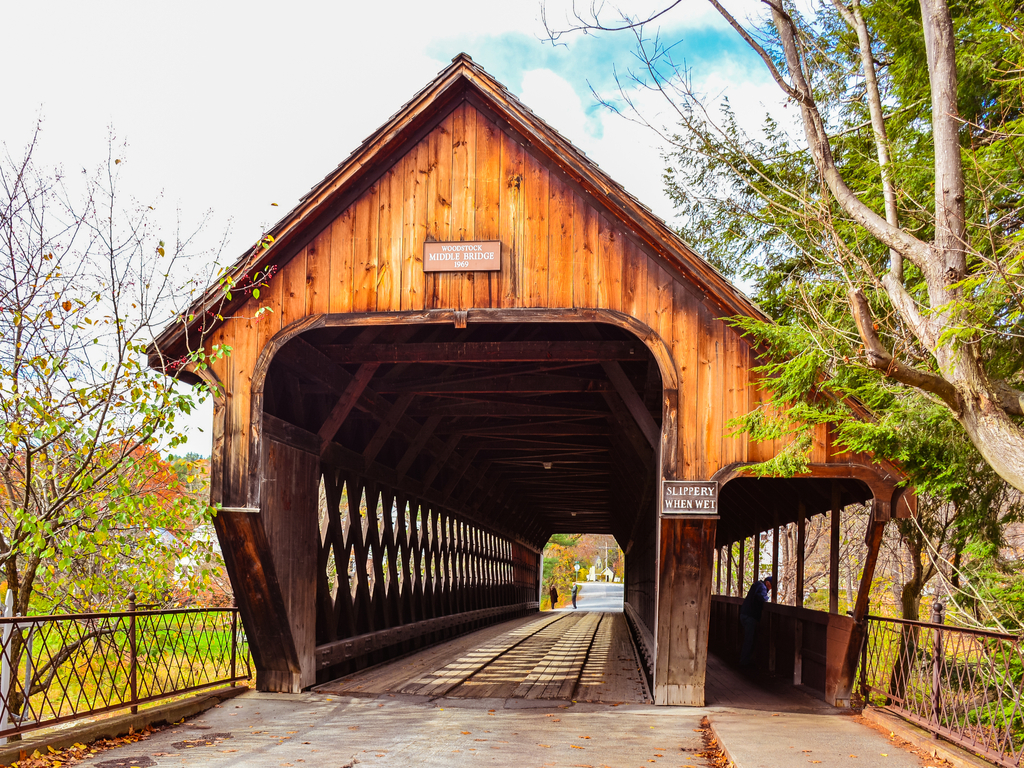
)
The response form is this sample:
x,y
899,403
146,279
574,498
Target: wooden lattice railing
x,y
395,572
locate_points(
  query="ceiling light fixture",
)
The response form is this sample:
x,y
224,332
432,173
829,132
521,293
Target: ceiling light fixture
x,y
546,464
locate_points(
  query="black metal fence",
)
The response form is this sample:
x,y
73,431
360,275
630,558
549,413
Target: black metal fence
x,y
59,668
961,684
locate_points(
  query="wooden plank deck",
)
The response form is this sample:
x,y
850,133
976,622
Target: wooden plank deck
x,y
582,656
726,686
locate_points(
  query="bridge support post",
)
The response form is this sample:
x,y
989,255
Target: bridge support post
x,y
289,515
684,610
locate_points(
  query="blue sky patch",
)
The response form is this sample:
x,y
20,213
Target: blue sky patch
x,y
591,61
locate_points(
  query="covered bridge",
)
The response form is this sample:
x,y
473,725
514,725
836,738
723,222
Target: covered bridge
x,y
464,339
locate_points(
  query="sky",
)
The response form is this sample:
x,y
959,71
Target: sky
x,y
226,109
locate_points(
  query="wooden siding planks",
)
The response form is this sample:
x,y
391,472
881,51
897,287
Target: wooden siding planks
x,y
414,225
318,274
391,203
438,285
463,227
585,236
487,206
609,264
535,239
510,205
364,251
685,352
560,244
341,262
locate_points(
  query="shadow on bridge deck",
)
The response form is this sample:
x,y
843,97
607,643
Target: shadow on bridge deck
x,y
559,655
728,687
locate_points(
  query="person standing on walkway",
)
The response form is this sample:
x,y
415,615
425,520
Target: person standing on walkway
x,y
750,617
553,593
575,591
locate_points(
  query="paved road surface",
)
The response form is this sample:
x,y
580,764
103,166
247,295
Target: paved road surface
x,y
597,596
310,730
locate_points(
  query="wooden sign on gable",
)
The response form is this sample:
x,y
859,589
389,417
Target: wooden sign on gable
x,y
462,256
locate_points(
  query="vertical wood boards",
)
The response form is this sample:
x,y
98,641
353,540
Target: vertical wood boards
x,y
268,313
389,247
511,218
560,243
438,285
728,572
775,557
242,361
833,549
415,167
292,291
219,368
462,286
486,206
634,279
289,515
801,545
584,236
660,313
684,606
365,234
740,570
609,264
686,353
735,400
758,399
711,397
318,275
535,235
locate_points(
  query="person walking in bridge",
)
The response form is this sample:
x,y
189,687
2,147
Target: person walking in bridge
x,y
575,591
553,594
750,617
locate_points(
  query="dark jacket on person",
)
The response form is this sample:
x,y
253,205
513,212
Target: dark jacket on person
x,y
754,602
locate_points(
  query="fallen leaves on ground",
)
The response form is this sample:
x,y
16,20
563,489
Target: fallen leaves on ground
x,y
57,758
712,750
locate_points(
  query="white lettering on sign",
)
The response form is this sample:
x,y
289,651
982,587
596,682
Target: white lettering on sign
x,y
450,257
689,497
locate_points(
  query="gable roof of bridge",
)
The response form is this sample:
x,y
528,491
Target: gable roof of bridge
x,y
462,81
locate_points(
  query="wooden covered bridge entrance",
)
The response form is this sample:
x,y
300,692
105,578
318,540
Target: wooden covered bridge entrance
x,y
464,339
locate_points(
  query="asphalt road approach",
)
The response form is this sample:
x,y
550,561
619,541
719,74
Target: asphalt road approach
x,y
596,596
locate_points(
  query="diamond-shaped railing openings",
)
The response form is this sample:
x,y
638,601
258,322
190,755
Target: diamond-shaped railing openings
x,y
962,684
332,576
322,515
387,559
64,667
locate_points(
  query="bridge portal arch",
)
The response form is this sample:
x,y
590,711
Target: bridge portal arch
x,y
329,319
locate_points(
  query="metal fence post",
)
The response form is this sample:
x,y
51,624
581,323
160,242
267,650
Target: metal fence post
x,y
133,651
234,638
5,665
864,655
938,617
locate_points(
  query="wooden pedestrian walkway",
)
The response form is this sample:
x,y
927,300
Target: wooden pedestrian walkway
x,y
558,656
